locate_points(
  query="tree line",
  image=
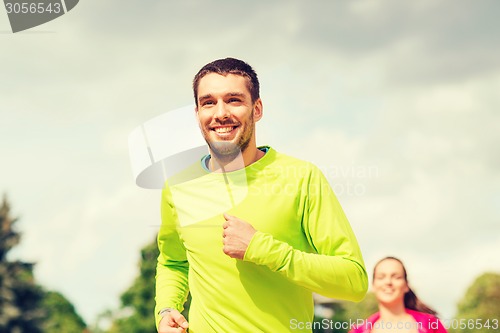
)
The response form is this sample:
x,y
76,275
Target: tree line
x,y
27,307
479,305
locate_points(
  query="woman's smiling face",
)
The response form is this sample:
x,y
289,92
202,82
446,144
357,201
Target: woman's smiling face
x,y
389,282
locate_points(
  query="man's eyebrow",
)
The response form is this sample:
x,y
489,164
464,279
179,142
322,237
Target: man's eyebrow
x,y
229,94
236,94
204,97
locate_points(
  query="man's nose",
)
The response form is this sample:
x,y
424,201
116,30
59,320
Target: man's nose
x,y
222,111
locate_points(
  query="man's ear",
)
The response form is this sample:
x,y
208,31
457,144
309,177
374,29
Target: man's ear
x,y
258,110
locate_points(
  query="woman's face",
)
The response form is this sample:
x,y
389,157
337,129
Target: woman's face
x,y
389,283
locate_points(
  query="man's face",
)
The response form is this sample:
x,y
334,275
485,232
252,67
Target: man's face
x,y
226,114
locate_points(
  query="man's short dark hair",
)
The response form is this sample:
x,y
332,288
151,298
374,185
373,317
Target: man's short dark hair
x,y
229,66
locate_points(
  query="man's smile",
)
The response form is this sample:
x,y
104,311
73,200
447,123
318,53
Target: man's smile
x,y
224,130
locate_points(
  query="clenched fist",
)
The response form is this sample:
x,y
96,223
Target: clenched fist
x,y
173,322
236,236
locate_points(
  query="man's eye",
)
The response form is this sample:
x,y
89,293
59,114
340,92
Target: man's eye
x,y
207,103
234,100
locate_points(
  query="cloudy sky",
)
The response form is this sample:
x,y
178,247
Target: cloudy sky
x,y
394,101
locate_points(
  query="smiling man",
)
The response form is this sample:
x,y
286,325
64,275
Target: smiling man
x,y
253,266
227,113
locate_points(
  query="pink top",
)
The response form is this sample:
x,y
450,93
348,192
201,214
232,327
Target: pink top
x,y
426,323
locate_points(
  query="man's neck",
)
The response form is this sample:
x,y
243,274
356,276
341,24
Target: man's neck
x,y
245,158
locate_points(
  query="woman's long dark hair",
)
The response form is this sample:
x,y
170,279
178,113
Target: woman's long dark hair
x,y
411,300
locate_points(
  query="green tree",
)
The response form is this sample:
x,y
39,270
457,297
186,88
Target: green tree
x,y
137,313
331,313
24,306
61,315
138,302
480,305
344,314
362,310
20,297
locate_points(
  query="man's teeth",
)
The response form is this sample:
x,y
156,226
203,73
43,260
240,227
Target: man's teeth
x,y
224,129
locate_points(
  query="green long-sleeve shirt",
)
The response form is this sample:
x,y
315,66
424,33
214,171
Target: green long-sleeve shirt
x,y
304,244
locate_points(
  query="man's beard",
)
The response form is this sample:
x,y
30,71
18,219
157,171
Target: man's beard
x,y
226,151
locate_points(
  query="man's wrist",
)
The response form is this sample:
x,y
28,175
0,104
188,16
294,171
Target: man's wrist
x,y
164,311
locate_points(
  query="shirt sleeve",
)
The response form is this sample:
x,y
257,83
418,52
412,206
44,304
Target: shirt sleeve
x,y
335,269
172,267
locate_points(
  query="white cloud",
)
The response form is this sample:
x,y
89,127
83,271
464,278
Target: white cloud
x,y
90,248
429,198
403,107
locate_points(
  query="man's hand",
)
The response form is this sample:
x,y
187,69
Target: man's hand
x,y
173,322
236,236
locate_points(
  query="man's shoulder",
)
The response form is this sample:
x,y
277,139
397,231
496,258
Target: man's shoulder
x,y
290,163
288,159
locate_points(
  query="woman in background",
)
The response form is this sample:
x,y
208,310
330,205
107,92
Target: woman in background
x,y
399,308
